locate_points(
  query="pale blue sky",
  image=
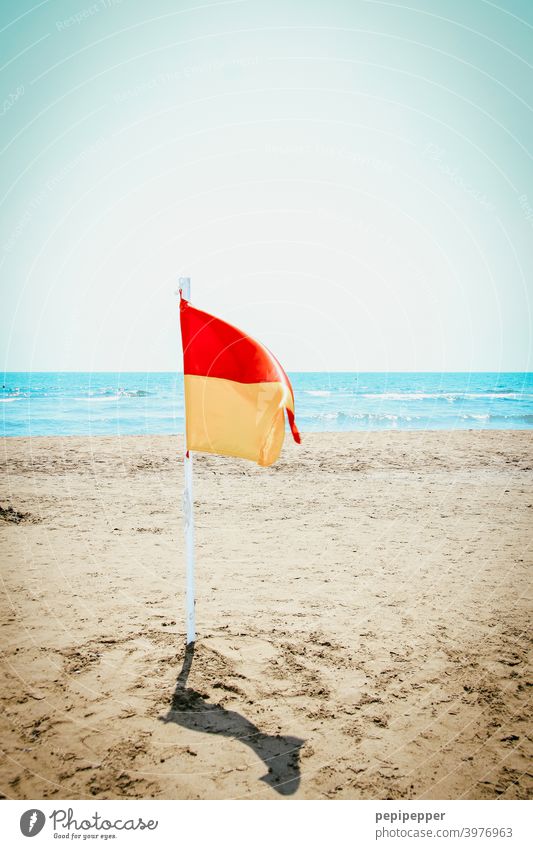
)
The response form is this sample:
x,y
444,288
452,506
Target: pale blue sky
x,y
351,182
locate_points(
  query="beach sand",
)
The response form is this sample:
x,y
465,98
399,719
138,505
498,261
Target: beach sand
x,y
362,613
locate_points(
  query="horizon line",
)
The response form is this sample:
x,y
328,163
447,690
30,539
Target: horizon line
x,y
289,371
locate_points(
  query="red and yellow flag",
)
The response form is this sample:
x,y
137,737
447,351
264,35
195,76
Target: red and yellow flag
x,y
236,391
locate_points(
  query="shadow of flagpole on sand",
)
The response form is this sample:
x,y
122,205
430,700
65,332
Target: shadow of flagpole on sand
x,y
191,710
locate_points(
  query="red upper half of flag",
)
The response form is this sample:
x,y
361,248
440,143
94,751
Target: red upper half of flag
x,y
214,348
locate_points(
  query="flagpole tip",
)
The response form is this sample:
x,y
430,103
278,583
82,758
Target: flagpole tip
x,y
185,287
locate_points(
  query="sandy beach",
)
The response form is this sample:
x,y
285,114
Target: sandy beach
x,y
362,615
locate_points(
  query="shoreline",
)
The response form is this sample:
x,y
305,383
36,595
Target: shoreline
x,y
361,611
305,433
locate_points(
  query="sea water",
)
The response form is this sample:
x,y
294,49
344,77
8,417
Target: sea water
x,y
109,403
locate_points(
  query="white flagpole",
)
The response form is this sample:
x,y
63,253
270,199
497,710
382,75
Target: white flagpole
x,y
188,504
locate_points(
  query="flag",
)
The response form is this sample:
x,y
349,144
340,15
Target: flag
x,y
236,392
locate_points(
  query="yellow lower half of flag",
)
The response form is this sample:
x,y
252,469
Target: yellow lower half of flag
x,y
236,419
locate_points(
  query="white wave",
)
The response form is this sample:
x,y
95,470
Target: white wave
x,y
443,396
490,395
401,396
340,416
91,398
318,392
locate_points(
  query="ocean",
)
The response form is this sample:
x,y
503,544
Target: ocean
x,y
110,403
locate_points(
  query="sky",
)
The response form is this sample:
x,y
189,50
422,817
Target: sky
x,y
349,181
